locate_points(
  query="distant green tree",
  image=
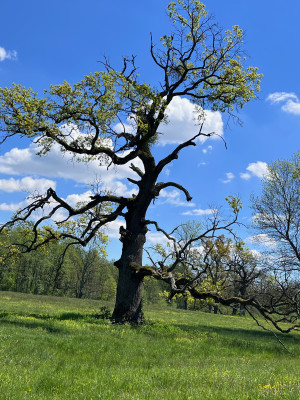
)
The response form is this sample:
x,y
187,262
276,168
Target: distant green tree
x,y
277,212
245,269
152,290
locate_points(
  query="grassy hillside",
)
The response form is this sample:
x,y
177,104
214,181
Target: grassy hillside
x,y
57,348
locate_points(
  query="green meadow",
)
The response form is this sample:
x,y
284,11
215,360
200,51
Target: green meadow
x,y
60,348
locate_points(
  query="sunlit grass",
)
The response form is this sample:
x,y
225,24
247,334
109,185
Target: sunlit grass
x,y
57,348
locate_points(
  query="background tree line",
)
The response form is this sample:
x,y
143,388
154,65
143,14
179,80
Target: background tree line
x,y
221,265
87,273
49,270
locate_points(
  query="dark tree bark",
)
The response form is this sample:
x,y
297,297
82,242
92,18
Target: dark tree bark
x,y
128,306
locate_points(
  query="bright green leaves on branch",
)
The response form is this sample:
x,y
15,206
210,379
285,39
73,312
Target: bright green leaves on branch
x,y
234,203
21,111
78,117
195,11
204,63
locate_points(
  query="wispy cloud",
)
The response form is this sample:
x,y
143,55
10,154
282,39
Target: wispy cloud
x,y
229,177
167,171
200,212
7,54
291,101
278,97
245,175
207,149
262,239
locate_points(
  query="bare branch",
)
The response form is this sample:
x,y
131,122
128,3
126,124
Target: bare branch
x,y
174,154
161,185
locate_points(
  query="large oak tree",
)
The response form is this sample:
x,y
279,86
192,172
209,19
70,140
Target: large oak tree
x,y
198,61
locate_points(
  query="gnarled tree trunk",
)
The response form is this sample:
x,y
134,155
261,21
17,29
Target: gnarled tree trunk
x,y
128,307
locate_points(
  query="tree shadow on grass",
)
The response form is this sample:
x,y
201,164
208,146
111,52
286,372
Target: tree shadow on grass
x,y
72,316
256,340
5,317
94,318
31,325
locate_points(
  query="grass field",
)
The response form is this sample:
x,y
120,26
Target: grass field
x,y
57,348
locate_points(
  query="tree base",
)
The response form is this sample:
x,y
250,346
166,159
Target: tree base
x,y
122,316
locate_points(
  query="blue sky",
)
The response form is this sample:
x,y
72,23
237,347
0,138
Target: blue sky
x,y
43,43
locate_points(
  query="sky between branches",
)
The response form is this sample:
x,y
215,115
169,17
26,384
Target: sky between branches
x,y
49,42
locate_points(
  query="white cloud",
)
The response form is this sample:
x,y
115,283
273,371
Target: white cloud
x,y
263,239
245,175
292,103
120,189
200,212
73,199
260,217
292,107
27,184
112,229
183,123
173,197
256,254
229,177
278,97
207,149
61,214
167,171
7,54
258,169
156,238
12,207
55,165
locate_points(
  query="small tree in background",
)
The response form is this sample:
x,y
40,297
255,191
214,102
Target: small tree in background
x,y
277,212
